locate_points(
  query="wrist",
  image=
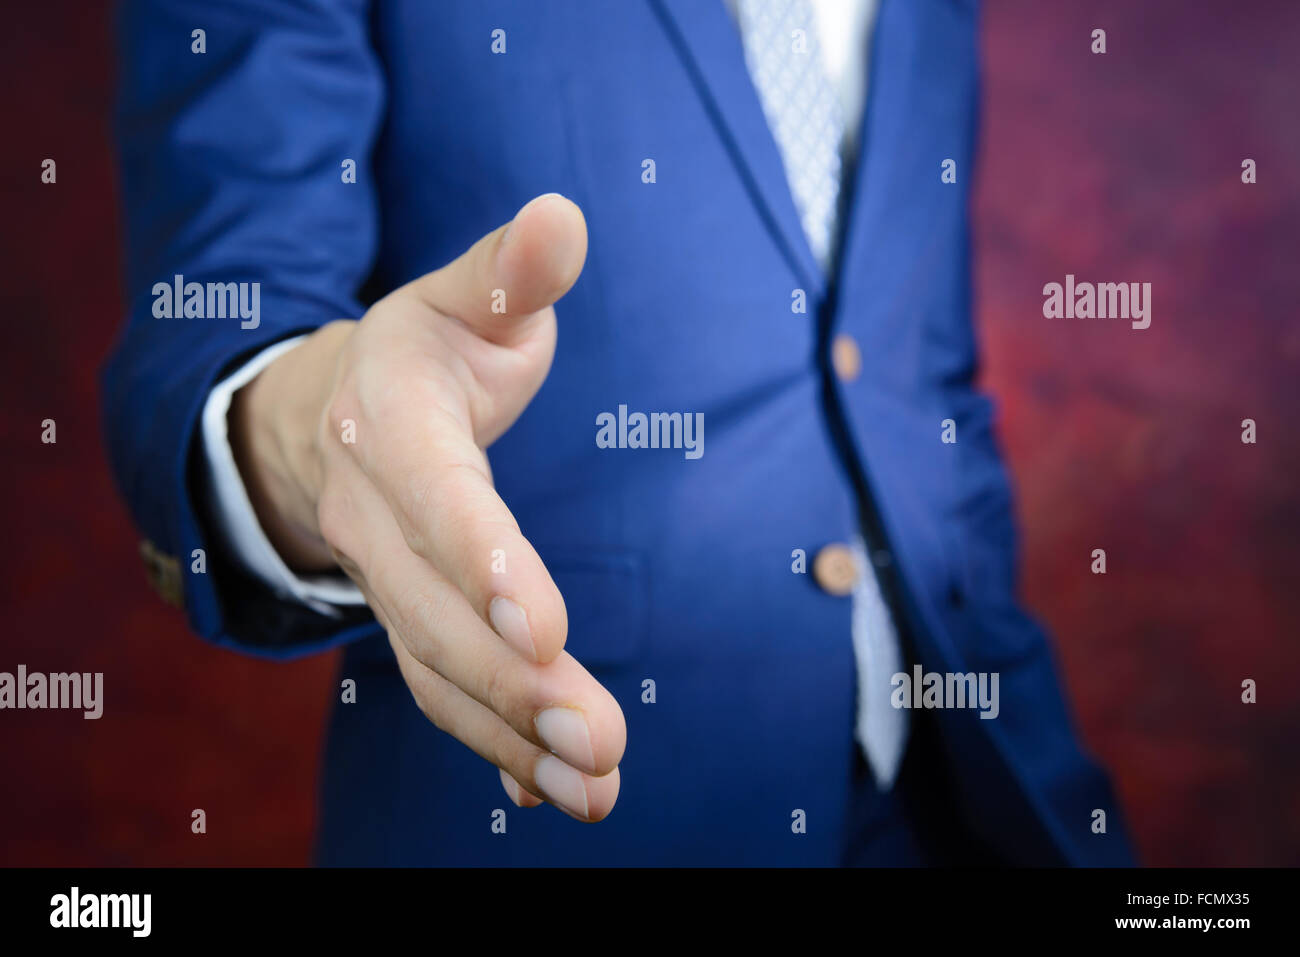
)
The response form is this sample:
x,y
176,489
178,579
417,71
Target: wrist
x,y
273,427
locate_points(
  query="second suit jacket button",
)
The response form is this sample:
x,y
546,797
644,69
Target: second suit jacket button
x,y
835,569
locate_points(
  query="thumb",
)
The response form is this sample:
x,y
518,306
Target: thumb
x,y
512,272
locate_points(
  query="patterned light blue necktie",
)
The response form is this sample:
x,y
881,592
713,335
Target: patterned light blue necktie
x,y
783,53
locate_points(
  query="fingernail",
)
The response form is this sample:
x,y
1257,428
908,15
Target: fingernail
x,y
564,731
562,785
532,202
511,624
513,790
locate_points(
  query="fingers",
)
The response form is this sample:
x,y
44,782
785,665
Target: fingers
x,y
462,383
438,371
438,489
557,706
512,272
517,794
529,768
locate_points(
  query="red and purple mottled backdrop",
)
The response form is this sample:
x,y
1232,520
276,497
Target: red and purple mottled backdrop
x,y
1123,166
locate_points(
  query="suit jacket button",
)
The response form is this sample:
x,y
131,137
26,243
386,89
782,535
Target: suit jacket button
x,y
164,573
835,569
846,357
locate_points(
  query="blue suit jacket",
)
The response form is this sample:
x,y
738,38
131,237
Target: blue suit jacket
x,y
673,570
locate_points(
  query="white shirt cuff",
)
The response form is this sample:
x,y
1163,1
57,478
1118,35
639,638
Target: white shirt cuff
x,y
234,511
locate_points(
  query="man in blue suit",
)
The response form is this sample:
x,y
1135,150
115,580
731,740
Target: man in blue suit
x,y
723,538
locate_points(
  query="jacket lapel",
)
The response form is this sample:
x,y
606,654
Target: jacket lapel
x,y
709,44
920,110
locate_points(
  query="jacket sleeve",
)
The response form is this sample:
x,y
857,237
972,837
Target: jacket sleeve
x,y
237,124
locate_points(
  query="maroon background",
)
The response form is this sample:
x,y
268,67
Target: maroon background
x,y
1117,167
